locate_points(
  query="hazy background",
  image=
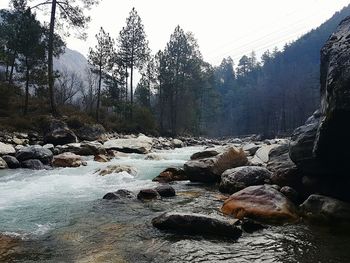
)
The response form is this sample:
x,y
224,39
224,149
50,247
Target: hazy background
x,y
222,27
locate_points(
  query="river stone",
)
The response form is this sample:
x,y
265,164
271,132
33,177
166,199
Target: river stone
x,y
120,194
58,133
290,193
251,148
6,149
177,143
197,224
209,170
165,191
148,194
33,164
3,164
263,152
111,169
170,175
141,144
204,154
323,209
101,158
67,159
11,161
34,152
262,203
90,132
236,179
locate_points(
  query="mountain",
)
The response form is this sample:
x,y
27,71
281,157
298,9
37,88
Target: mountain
x,y
72,61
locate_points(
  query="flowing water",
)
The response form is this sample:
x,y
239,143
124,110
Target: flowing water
x,y
59,216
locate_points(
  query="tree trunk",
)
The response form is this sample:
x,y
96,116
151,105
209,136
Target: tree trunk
x,y
161,107
99,95
12,67
27,90
50,59
131,82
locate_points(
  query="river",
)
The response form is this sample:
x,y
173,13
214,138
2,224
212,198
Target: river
x,y
60,216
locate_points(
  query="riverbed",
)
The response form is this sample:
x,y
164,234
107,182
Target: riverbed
x,y
59,216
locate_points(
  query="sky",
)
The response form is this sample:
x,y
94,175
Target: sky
x,y
222,27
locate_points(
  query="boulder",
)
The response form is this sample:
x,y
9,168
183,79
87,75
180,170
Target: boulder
x,y
148,194
34,152
263,203
323,209
58,133
33,164
209,170
6,149
177,143
101,158
3,164
236,179
154,157
170,175
204,154
290,193
141,144
84,148
120,194
11,161
165,191
91,132
263,152
111,169
251,148
197,224
67,160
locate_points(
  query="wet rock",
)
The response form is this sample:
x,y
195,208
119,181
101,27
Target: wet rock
x,y
236,179
148,194
6,149
251,148
263,152
33,164
209,170
290,193
154,157
101,158
165,191
204,154
58,133
120,194
141,144
49,146
323,209
90,132
170,175
251,226
84,148
262,203
111,169
3,164
34,152
177,143
9,245
11,161
197,224
67,160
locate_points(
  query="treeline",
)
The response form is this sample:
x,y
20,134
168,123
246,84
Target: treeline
x,y
177,92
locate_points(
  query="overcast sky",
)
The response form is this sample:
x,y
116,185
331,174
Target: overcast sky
x,y
222,27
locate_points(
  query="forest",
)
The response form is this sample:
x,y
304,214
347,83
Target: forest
x,y
130,88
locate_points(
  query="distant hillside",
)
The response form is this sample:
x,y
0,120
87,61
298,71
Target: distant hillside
x,y
72,61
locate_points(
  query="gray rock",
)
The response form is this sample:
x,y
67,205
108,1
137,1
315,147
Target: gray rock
x,y
120,194
34,152
204,154
11,161
3,164
148,194
58,133
290,193
165,191
6,149
141,144
251,148
33,164
91,132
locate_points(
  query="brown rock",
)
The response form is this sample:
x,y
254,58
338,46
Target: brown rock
x,y
101,158
67,159
170,175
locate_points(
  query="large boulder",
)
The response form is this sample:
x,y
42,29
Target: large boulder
x,y
84,148
11,161
6,149
209,170
91,132
236,179
33,164
58,133
204,154
148,194
3,164
165,191
197,224
67,160
34,152
171,174
323,209
141,144
262,203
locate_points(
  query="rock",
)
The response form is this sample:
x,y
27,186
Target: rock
x,y
197,224
67,160
9,246
49,146
251,148
262,203
323,209
251,226
110,169
34,152
177,143
84,148
148,194
120,194
91,132
284,171
236,179
170,175
6,149
204,154
33,164
11,161
58,133
165,191
290,193
141,144
153,157
3,164
116,154
263,152
209,170
101,158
